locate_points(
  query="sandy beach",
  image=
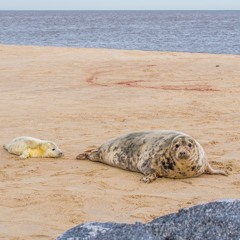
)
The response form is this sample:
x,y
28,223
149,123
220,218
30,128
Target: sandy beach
x,y
80,98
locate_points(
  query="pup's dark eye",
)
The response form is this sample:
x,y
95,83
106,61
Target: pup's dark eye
x,y
190,145
53,149
177,146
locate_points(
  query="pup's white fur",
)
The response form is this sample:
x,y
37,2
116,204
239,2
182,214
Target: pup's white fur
x,y
26,147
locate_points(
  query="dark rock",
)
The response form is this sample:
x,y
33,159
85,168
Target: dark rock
x,y
216,220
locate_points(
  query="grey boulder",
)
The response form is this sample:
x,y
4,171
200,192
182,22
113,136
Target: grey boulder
x,y
215,220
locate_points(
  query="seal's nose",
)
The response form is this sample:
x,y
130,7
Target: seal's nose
x,y
182,154
60,154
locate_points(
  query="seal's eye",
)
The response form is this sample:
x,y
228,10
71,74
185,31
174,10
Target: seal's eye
x,y
177,146
53,149
190,145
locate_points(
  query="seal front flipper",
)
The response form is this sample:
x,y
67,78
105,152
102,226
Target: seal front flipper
x,y
149,178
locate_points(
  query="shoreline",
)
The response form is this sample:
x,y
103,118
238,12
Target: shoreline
x,y
115,49
82,97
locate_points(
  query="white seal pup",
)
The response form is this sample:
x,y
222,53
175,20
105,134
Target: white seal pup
x,y
156,154
26,147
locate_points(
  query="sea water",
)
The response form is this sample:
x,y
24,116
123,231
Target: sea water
x,y
181,31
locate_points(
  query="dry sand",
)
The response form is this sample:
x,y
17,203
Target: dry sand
x,y
83,97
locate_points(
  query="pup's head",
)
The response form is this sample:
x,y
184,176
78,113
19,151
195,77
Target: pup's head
x,y
51,150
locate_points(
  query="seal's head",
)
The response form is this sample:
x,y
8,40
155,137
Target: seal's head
x,y
183,147
51,150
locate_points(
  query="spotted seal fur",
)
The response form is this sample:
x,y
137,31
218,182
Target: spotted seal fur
x,y
156,154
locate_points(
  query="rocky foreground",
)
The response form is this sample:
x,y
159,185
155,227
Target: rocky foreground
x,y
215,220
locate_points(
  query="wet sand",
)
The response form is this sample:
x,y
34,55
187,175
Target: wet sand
x,y
82,97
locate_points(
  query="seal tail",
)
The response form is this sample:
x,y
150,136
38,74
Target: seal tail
x,y
91,154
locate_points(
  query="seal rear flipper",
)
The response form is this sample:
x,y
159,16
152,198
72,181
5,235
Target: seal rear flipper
x,y
91,154
81,156
210,170
5,147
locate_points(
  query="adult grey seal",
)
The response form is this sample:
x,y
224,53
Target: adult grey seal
x,y
156,154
